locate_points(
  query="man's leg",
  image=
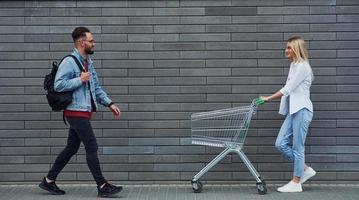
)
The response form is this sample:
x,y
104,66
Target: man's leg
x,y
73,145
83,129
48,183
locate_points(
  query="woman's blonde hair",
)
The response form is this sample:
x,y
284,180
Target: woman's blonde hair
x,y
299,48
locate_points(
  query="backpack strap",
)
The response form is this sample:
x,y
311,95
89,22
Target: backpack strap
x,y
63,118
76,60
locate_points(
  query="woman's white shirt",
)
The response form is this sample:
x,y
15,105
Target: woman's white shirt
x,y
296,92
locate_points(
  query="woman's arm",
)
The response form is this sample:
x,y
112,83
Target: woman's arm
x,y
276,95
302,71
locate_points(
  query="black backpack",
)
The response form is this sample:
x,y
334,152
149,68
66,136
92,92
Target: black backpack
x,y
58,100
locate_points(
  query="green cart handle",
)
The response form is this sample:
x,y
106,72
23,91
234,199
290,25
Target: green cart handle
x,y
259,101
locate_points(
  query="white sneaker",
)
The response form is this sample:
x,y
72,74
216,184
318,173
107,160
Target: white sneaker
x,y
308,173
291,187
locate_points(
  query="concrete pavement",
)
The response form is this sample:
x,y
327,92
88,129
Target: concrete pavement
x,y
184,192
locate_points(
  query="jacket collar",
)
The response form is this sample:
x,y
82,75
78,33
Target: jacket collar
x,y
76,53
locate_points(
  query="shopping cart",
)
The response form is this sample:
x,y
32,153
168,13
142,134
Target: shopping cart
x,y
224,128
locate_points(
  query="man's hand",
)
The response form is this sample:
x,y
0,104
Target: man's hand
x,y
85,76
116,111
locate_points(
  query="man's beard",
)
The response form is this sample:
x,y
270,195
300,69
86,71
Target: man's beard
x,y
89,51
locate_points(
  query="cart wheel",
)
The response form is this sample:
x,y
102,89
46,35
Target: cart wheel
x,y
196,186
261,187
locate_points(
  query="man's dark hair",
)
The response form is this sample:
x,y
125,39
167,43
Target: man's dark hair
x,y
79,32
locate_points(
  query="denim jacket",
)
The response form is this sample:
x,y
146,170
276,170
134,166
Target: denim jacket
x,y
68,79
296,92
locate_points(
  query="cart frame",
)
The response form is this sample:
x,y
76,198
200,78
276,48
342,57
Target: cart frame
x,y
229,131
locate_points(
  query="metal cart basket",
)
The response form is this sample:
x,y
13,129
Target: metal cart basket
x,y
225,128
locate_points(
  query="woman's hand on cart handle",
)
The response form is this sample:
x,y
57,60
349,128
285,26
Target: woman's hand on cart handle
x,y
276,95
259,101
264,98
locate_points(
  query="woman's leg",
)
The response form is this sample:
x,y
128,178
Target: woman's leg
x,y
299,124
301,121
283,139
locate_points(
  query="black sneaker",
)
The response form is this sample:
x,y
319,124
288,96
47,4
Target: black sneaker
x,y
108,190
51,187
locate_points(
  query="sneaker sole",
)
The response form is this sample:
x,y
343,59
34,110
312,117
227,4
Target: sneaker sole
x,y
290,191
109,195
52,192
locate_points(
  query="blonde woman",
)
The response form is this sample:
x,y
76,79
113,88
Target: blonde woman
x,y
298,108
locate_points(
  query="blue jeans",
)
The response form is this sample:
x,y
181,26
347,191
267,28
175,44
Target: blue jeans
x,y
294,127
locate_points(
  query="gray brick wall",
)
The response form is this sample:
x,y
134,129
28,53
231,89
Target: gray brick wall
x,y
163,60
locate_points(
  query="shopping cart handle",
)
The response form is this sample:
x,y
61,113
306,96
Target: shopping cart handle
x,y
259,101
